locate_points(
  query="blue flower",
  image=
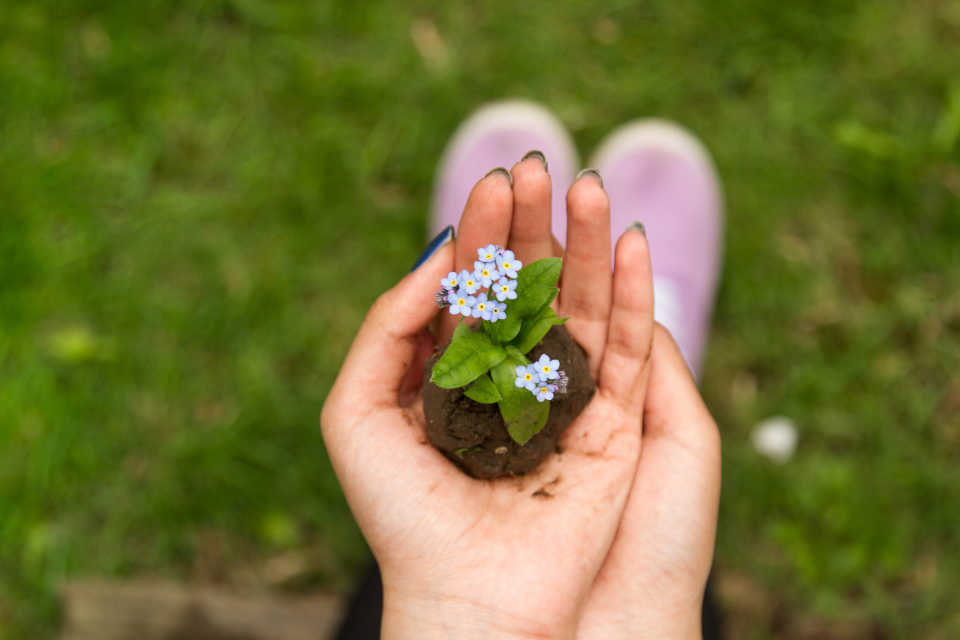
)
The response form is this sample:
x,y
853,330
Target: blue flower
x,y
486,272
544,391
505,289
526,378
489,253
451,282
499,311
461,303
483,308
546,369
469,281
508,264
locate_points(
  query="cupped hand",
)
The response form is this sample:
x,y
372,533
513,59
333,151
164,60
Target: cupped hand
x,y
466,558
652,580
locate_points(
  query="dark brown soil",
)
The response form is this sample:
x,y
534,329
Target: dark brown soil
x,y
455,423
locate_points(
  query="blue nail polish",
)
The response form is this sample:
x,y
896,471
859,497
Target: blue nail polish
x,y
442,238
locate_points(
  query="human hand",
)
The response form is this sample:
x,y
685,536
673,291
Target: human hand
x,y
468,558
652,581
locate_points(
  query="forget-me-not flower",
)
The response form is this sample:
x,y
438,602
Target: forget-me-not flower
x,y
461,302
505,289
486,272
451,282
546,368
508,264
545,391
526,377
499,311
482,307
489,253
469,281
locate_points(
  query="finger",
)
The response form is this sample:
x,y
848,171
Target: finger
x,y
530,235
630,329
585,285
485,220
681,459
669,523
556,247
673,404
388,341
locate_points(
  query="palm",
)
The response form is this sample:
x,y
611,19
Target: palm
x,y
490,541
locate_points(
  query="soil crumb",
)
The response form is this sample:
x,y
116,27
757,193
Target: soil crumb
x,y
474,436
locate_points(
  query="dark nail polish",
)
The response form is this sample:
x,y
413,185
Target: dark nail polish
x,y
442,238
534,153
504,172
637,226
590,172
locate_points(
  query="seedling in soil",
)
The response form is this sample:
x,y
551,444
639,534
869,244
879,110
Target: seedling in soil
x,y
512,302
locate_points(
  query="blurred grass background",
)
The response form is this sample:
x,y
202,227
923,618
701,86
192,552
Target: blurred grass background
x,y
199,200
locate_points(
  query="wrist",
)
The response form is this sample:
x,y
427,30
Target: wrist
x,y
407,615
642,621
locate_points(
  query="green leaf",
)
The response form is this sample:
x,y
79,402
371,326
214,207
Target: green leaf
x,y
536,286
521,412
534,328
503,331
469,356
516,354
483,391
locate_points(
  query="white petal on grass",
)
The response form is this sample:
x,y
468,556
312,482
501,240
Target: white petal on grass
x,y
775,438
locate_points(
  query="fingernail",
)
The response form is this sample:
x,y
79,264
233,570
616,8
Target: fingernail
x,y
637,226
534,153
504,172
590,172
442,238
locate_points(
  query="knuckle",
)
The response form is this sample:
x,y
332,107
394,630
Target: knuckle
x,y
327,415
661,333
383,303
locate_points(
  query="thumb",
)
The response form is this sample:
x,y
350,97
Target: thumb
x,y
680,460
674,408
389,338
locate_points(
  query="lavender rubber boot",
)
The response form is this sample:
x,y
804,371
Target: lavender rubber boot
x,y
659,174
499,134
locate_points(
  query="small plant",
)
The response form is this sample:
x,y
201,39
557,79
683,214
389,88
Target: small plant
x,y
491,362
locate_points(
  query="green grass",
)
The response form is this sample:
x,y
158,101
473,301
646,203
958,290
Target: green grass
x,y
198,201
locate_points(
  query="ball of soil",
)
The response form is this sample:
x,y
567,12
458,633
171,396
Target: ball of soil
x,y
474,436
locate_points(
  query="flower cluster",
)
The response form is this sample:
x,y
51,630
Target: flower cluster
x,y
543,378
494,270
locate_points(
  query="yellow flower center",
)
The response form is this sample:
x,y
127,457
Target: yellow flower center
x,y
481,306
543,389
528,377
469,283
506,265
546,369
461,302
